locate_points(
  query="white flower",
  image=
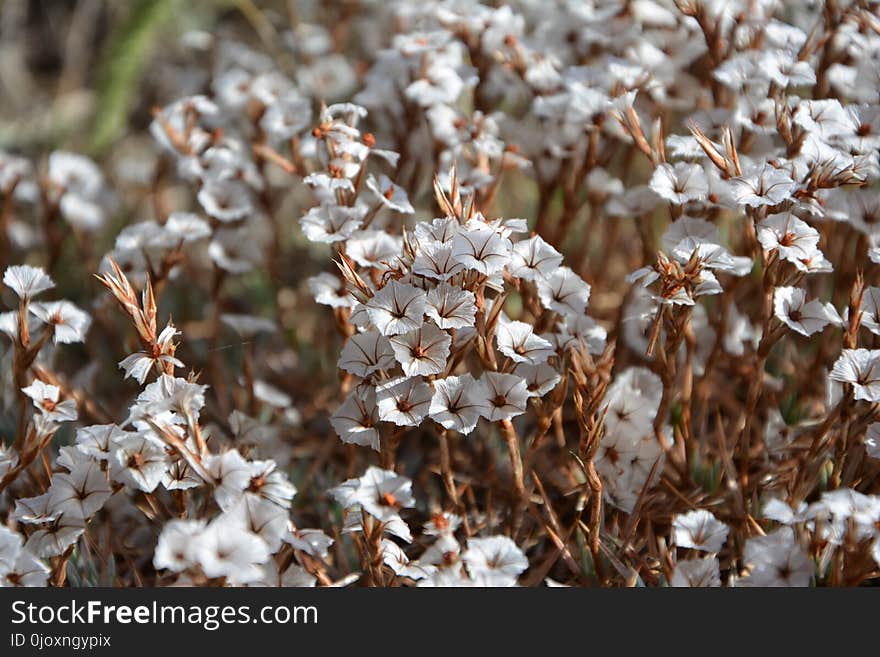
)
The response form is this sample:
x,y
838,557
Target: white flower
x,y
436,260
271,484
394,557
501,396
373,248
176,549
696,573
226,200
329,290
540,379
381,493
45,397
861,368
479,247
27,281
69,323
517,341
80,493
680,183
235,250
533,258
495,555
451,307
404,401
231,474
423,351
389,194
452,405
227,549
311,541
355,420
763,185
794,240
138,461
699,530
365,353
330,223
138,365
564,291
777,560
397,308
18,566
263,518
792,309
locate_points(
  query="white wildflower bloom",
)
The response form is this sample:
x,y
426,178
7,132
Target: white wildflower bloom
x,y
373,248
441,230
46,398
330,223
311,541
777,560
381,493
390,195
404,401
178,542
764,185
19,566
139,365
533,258
696,573
517,341
479,247
356,419
436,260
397,308
226,200
27,281
453,403
271,484
540,379
225,548
451,307
794,240
365,353
423,351
564,292
494,555
680,183
791,307
138,461
263,518
501,396
69,323
81,493
235,250
395,558
329,290
776,509
231,475
699,530
54,539
579,330
861,368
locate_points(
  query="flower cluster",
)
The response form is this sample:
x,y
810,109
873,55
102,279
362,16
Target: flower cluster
x,y
455,294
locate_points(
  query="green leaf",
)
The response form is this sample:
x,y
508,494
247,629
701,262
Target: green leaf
x,y
124,64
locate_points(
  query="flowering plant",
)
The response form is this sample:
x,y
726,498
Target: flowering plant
x,y
455,294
